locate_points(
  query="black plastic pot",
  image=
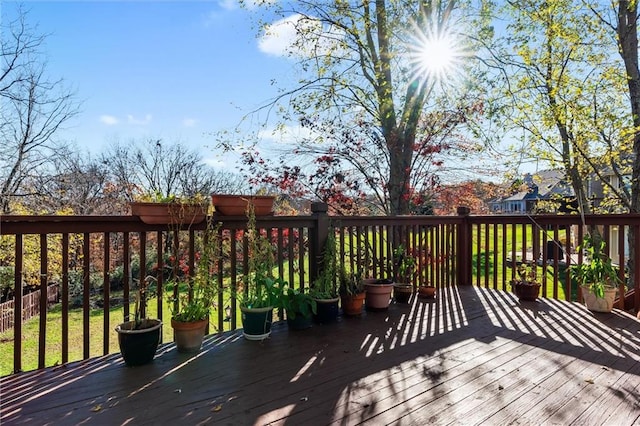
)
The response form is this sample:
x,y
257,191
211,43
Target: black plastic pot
x,y
327,311
138,346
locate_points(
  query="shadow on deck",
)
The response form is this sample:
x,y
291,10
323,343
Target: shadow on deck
x,y
471,356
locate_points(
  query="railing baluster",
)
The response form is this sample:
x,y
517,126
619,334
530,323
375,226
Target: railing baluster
x,y
65,298
106,332
86,287
126,275
291,255
160,276
42,335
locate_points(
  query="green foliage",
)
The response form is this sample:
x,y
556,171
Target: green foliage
x,y
262,289
404,265
188,307
351,283
193,300
597,272
527,274
324,285
297,302
159,197
6,278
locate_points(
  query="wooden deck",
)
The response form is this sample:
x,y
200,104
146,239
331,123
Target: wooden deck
x,y
473,356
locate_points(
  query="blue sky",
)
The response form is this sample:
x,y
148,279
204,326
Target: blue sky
x,y
172,70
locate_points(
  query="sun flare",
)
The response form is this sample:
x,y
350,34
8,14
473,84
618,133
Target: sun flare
x,y
436,56
435,53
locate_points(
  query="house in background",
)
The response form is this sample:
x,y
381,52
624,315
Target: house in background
x,y
547,191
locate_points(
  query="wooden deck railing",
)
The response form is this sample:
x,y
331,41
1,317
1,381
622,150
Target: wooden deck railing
x,y
451,250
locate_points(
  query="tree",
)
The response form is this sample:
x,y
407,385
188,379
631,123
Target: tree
x,y
348,170
34,109
363,83
77,184
166,169
559,89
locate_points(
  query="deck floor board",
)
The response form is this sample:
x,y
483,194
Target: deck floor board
x,y
473,356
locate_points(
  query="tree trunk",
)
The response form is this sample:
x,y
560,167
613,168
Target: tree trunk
x,y
628,40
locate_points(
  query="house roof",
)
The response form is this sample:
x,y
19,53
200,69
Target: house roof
x,y
544,184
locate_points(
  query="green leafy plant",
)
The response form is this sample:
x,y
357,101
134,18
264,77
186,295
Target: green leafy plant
x,y
261,288
192,297
297,302
597,273
404,266
159,197
526,274
324,285
351,283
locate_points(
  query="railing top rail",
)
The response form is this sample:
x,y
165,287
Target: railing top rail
x,y
22,224
551,219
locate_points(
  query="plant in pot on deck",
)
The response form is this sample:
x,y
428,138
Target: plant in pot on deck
x,y
299,307
352,292
323,289
597,277
405,272
261,291
139,339
192,296
526,285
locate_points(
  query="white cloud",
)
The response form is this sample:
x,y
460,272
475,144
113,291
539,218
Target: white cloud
x,y
139,122
229,4
109,120
301,36
189,122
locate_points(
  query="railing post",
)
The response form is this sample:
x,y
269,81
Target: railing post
x,y
463,248
318,238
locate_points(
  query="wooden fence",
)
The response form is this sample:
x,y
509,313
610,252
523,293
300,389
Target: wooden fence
x,y
30,307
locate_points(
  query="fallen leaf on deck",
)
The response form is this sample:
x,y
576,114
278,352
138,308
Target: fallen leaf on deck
x,y
217,408
589,381
177,391
304,399
96,408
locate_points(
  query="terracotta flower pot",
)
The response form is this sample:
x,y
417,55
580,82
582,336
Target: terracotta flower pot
x,y
378,294
169,213
427,292
236,205
526,291
189,335
352,303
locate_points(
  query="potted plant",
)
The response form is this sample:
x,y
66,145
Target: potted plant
x,y
378,293
352,292
323,289
192,296
597,277
155,208
139,339
299,307
261,291
526,285
405,271
237,205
